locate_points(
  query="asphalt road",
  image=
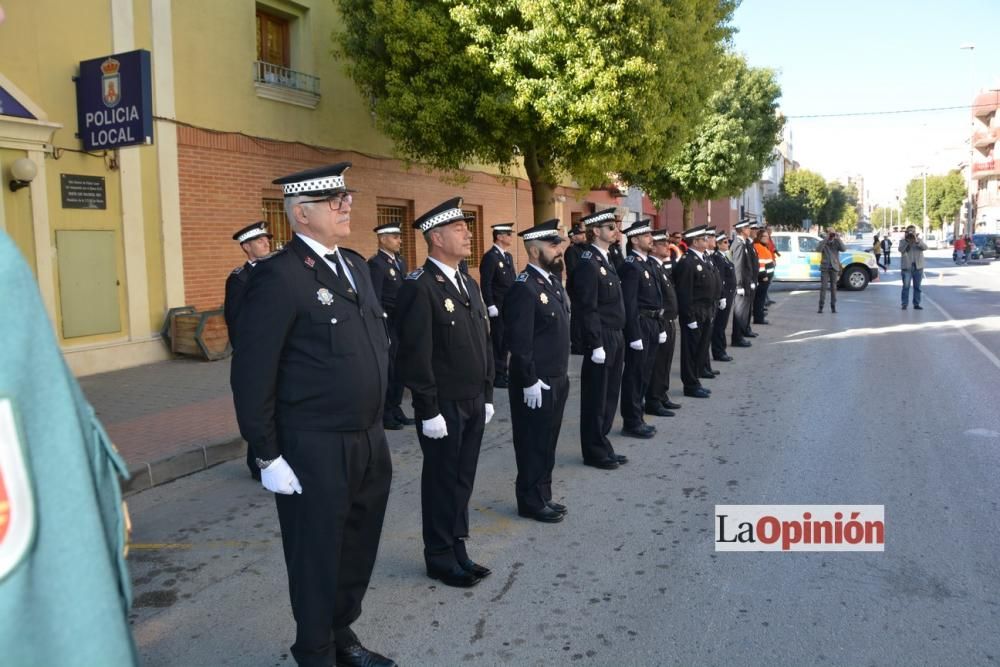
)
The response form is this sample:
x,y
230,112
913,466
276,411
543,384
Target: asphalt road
x,y
872,405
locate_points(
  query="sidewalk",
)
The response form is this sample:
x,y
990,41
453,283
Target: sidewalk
x,y
168,419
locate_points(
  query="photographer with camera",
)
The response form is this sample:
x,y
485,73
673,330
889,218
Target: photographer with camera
x,y
829,250
911,263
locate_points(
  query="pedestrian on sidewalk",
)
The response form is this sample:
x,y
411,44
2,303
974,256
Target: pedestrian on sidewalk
x,y
829,250
887,252
877,251
911,263
313,414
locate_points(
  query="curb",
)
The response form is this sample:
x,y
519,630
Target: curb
x,y
147,475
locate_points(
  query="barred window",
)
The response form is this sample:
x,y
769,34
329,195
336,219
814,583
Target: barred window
x,y
273,212
476,227
399,212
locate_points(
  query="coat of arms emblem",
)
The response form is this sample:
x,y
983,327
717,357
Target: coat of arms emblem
x,y
111,83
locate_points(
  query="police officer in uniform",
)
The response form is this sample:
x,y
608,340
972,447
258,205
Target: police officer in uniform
x,y
309,381
446,360
387,268
696,301
708,372
536,314
496,273
597,298
255,242
661,260
728,273
643,328
571,258
745,269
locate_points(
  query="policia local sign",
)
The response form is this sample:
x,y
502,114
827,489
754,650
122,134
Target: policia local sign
x,y
114,101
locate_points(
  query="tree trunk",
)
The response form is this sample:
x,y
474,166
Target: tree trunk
x,y
688,214
543,200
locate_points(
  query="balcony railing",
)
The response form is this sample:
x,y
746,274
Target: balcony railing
x,y
985,137
284,77
987,168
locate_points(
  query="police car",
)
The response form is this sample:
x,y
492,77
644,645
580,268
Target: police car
x,y
799,261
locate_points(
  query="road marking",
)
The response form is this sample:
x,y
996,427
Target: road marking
x,y
958,325
982,433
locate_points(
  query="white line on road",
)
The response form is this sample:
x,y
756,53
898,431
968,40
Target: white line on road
x,y
958,325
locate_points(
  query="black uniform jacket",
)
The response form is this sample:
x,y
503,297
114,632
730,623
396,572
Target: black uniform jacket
x,y
727,271
640,292
667,293
312,355
696,286
386,278
536,324
571,258
236,284
744,262
444,346
597,297
717,275
496,270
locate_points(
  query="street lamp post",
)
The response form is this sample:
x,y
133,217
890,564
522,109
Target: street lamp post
x,y
925,203
969,219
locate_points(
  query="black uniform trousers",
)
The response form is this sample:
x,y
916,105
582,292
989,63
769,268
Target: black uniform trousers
x,y
448,476
536,433
760,302
719,328
706,361
394,390
695,344
575,333
500,349
638,371
330,532
599,387
742,309
659,380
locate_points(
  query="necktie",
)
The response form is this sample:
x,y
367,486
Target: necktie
x,y
340,271
461,286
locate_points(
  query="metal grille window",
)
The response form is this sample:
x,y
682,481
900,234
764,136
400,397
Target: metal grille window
x,y
273,212
399,213
476,227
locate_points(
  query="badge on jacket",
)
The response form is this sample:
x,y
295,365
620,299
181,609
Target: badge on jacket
x,y
603,271
544,298
449,305
324,296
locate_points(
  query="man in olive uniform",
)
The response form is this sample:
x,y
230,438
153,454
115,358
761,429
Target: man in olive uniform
x,y
728,273
446,360
571,258
496,273
597,298
643,329
696,301
309,379
387,268
658,403
255,242
537,324
745,268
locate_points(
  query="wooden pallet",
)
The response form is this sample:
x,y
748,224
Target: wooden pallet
x,y
197,334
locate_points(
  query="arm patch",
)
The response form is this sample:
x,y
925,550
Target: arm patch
x,y
413,275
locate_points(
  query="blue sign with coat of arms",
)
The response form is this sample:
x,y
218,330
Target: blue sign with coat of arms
x,y
114,101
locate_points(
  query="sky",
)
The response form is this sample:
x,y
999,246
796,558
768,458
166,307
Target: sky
x,y
851,56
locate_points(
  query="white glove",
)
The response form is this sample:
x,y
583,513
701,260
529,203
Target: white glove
x,y
740,291
722,304
753,285
492,310
663,337
692,325
279,478
533,394
636,345
598,356
488,408
435,427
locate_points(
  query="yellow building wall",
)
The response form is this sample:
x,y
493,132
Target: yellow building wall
x,y
17,209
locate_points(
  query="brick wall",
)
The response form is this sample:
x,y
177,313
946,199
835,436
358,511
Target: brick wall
x,y
224,177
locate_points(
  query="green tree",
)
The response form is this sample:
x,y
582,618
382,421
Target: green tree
x,y
576,89
809,188
834,207
950,193
913,204
731,146
784,210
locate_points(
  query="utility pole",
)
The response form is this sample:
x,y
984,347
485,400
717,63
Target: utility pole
x,y
925,203
969,219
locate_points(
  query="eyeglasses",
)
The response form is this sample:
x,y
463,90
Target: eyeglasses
x,y
335,202
607,225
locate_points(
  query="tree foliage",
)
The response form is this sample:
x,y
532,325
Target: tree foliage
x,y
809,188
945,196
572,88
729,149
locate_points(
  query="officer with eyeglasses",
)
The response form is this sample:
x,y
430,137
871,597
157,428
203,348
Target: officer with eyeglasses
x,y
309,379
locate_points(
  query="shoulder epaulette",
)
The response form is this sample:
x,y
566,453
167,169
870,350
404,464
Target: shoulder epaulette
x,y
413,275
586,254
630,259
521,277
272,255
353,252
238,269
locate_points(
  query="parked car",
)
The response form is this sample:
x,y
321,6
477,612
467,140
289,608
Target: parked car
x,y
799,261
933,241
985,246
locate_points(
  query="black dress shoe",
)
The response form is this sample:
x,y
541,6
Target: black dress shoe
x,y
500,383
670,405
724,357
401,417
621,458
545,515
696,393
833,309
750,335
706,375
471,567
454,576
761,322
819,310
644,431
390,424
603,464
562,509
917,306
356,655
657,410
743,343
